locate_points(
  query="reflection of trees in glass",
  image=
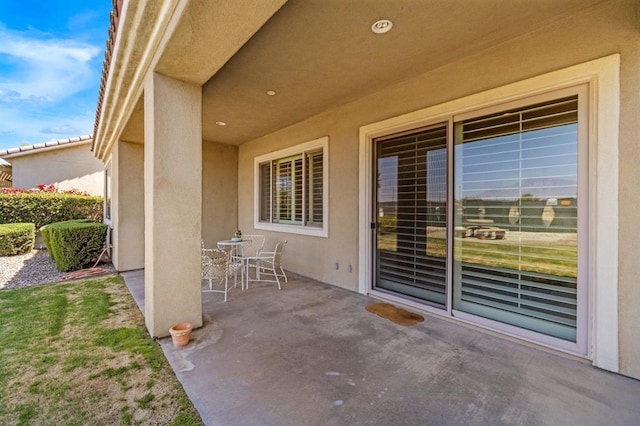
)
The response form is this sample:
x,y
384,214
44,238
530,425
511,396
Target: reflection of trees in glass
x,y
526,214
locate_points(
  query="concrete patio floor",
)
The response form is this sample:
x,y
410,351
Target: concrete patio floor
x,y
311,354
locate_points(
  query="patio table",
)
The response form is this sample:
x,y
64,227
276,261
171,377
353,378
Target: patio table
x,y
484,228
235,252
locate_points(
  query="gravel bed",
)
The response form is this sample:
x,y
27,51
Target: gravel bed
x,y
32,268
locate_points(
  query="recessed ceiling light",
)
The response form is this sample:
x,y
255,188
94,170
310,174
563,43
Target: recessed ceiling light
x,y
382,26
271,92
221,123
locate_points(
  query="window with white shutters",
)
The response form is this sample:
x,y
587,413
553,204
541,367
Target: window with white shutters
x,y
291,187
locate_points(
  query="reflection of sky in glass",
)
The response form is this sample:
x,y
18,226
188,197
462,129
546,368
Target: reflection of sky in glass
x,y
436,162
283,183
387,179
542,163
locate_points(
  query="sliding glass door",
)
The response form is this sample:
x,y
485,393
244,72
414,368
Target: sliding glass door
x,y
411,214
516,252
510,211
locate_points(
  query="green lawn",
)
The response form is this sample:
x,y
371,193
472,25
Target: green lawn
x,y
77,353
554,259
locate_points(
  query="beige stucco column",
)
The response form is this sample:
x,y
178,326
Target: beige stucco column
x,y
127,205
172,202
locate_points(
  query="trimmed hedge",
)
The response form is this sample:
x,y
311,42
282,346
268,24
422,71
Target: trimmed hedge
x,y
74,244
17,238
45,233
43,208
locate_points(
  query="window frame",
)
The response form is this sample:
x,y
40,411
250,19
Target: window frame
x,y
289,154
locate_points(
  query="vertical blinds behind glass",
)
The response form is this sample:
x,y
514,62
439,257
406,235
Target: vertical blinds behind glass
x,y
516,222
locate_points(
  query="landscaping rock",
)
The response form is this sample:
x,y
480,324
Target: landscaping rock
x,y
32,268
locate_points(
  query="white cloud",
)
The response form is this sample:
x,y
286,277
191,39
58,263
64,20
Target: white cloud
x,y
40,68
26,125
48,87
65,129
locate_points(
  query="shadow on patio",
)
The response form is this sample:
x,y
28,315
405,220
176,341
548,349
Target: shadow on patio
x,y
311,354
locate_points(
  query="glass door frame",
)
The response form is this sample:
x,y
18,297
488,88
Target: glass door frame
x,y
602,76
581,346
407,299
366,239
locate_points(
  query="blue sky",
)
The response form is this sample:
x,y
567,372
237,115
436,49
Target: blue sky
x,y
51,54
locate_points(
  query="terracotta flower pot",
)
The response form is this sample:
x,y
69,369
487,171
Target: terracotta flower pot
x,y
180,333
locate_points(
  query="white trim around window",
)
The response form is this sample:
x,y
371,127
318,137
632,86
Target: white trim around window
x,y
603,79
300,152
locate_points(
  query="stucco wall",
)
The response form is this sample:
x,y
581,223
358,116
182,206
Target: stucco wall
x,y
219,192
629,196
219,199
72,167
127,206
172,203
602,30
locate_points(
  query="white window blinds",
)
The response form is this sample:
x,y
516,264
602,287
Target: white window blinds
x,y
292,190
516,186
411,204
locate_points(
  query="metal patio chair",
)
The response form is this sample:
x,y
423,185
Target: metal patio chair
x,y
254,245
217,267
267,263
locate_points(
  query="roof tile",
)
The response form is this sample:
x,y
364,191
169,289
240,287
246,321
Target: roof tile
x,y
43,145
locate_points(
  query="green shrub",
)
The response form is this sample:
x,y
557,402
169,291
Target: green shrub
x,y
43,208
17,238
44,231
74,244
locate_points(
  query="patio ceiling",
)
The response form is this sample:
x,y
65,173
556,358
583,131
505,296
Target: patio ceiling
x,y
316,54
